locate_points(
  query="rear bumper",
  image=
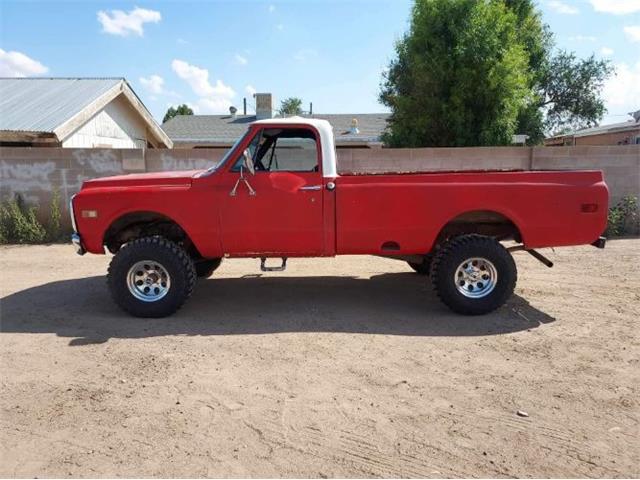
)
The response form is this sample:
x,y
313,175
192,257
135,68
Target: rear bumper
x,y
600,242
77,243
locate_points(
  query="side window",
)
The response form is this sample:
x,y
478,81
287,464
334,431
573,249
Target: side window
x,y
283,150
293,151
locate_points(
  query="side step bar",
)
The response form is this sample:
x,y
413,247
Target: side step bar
x,y
281,268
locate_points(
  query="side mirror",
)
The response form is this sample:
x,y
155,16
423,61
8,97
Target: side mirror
x,y
248,162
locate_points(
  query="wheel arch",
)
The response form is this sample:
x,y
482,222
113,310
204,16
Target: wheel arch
x,y
490,222
135,224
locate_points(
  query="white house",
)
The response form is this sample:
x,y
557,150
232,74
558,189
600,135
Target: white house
x,y
76,113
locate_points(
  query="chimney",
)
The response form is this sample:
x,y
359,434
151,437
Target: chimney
x,y
244,106
232,111
310,108
264,107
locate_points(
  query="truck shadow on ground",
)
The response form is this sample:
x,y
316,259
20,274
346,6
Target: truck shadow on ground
x,y
388,304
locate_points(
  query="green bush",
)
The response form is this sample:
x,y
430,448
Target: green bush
x,y
19,224
623,217
54,230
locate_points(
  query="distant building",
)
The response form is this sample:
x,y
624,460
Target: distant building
x,y
221,131
76,113
623,133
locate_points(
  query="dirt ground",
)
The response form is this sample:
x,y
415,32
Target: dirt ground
x,y
344,367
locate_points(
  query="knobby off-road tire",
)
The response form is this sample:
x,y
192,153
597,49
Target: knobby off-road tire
x,y
473,274
205,268
151,277
422,268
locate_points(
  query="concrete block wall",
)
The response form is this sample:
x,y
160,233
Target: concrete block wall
x,y
407,160
182,159
620,164
36,172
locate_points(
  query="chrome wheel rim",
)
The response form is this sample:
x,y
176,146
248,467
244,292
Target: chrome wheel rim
x,y
476,277
148,281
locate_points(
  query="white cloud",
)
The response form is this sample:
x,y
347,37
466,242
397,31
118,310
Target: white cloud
x,y
621,92
280,27
182,41
606,51
153,83
617,7
632,33
17,64
561,7
240,60
123,24
214,98
250,89
272,8
198,80
583,38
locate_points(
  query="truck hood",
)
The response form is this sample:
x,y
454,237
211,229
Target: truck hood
x,y
180,178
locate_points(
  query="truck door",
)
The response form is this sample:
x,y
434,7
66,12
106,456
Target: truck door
x,y
284,215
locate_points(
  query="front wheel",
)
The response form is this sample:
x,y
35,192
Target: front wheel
x,y
473,274
151,277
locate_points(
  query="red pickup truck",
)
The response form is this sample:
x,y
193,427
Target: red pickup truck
x,y
277,194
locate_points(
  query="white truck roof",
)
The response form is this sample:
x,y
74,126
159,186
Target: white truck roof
x,y
327,142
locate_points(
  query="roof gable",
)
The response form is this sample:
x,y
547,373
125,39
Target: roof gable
x,y
59,106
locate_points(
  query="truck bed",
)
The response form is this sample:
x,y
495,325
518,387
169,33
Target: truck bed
x,y
403,214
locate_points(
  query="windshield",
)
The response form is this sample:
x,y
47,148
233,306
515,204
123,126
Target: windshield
x,y
213,168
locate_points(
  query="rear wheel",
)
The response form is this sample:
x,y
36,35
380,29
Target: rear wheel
x,y
151,277
422,268
205,268
473,274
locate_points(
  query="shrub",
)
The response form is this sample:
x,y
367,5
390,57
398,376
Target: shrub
x,y
623,217
54,230
19,224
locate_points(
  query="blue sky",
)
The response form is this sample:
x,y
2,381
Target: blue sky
x,y
211,54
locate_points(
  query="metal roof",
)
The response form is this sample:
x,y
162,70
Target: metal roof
x,y
612,127
601,129
226,129
42,104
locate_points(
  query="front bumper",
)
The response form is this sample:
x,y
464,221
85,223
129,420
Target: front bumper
x,y
75,236
77,243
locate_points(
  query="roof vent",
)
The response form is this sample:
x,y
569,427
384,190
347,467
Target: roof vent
x,y
233,110
354,127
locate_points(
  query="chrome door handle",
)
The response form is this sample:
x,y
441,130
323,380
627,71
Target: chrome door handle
x,y
310,188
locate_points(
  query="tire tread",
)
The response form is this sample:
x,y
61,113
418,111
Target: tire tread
x,y
155,242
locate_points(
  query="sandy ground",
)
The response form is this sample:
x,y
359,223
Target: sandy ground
x,y
337,367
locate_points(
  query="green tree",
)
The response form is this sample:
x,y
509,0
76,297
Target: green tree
x,y
447,66
179,110
565,90
460,77
570,91
290,106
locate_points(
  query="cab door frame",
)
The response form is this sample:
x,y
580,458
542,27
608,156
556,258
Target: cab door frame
x,y
286,217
